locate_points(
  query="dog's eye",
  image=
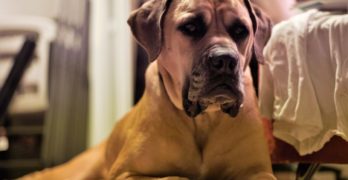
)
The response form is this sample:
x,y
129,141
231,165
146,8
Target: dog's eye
x,y
194,28
189,28
239,31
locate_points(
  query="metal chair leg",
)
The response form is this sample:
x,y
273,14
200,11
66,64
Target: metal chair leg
x,y
306,171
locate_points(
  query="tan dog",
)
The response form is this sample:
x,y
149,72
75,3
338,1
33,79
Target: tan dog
x,y
198,117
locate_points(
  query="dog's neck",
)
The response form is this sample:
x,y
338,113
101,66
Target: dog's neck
x,y
201,126
158,89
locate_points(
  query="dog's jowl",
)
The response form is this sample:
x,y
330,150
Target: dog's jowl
x,y
198,117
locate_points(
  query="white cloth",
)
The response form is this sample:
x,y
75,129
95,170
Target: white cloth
x,y
304,82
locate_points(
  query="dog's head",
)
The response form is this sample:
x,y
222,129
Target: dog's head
x,y
202,48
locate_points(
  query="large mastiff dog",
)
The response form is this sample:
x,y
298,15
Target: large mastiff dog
x,y
198,117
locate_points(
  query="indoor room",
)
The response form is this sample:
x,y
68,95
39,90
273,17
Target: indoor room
x,y
174,89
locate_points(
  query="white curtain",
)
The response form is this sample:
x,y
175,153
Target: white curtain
x,y
67,117
111,66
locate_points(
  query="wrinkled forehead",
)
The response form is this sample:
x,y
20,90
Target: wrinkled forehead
x,y
211,8
189,4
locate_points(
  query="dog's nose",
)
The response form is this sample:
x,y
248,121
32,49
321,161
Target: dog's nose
x,y
223,63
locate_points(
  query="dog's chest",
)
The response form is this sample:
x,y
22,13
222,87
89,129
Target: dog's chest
x,y
203,126
210,143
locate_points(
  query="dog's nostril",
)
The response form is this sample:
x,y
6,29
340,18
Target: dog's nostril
x,y
217,63
223,63
232,64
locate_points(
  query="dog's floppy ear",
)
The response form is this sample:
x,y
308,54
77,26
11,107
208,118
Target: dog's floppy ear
x,y
146,25
262,27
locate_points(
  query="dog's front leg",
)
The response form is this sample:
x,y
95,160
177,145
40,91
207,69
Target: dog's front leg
x,y
137,177
129,176
153,178
261,176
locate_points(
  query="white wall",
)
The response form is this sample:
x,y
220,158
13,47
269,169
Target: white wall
x,y
110,66
46,8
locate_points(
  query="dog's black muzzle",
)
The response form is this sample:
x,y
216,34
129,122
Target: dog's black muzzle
x,y
216,79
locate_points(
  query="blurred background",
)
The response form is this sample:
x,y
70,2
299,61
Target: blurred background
x,y
85,74
80,81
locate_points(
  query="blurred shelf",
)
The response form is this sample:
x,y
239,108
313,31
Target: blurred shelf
x,y
25,130
20,163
